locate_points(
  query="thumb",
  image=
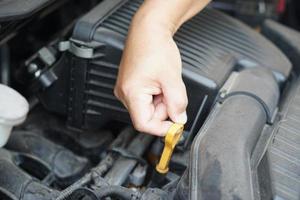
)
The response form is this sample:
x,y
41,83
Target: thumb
x,y
175,98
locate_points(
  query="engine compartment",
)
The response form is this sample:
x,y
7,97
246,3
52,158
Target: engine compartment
x,y
77,142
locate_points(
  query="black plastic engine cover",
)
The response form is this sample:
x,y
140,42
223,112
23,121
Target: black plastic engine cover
x,y
18,9
223,151
211,44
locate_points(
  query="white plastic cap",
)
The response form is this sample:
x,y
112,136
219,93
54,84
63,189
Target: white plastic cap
x,y
13,111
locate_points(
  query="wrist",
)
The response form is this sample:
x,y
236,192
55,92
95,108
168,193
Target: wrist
x,y
151,20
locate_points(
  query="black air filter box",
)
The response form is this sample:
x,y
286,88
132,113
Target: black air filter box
x,y
19,9
212,45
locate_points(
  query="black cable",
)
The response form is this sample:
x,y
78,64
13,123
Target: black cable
x,y
65,194
255,97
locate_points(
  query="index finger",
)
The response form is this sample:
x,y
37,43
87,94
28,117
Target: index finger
x,y
143,115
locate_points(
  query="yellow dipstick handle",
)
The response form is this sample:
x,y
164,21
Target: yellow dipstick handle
x,y
172,137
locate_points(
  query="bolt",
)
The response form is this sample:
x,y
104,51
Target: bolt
x,y
32,68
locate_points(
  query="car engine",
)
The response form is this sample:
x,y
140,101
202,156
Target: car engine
x,y
241,140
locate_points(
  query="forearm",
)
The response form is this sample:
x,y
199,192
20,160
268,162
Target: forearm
x,y
150,81
166,15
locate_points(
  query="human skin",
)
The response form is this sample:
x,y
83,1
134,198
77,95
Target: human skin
x,y
149,82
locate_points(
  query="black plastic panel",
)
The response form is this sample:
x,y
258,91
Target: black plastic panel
x,y
221,155
203,38
284,151
211,44
287,39
18,9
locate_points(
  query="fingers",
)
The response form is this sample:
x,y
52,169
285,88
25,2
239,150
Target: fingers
x,y
147,110
175,96
148,117
160,111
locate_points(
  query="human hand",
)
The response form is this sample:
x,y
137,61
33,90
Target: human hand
x,y
149,82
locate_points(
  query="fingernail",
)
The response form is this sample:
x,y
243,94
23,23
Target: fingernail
x,y
181,118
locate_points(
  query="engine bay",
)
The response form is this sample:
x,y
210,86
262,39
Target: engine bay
x,y
77,142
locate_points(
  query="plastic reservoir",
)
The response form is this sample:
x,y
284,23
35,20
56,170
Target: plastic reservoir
x,y
13,111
